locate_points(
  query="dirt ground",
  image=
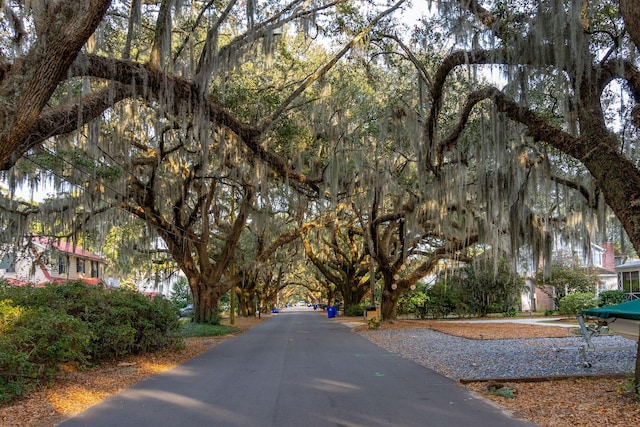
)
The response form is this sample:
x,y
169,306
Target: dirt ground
x,y
573,402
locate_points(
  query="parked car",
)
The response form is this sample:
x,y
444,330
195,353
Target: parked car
x,y
275,310
186,311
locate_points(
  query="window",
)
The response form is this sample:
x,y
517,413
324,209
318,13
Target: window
x,y
79,265
631,282
8,263
95,269
62,265
596,258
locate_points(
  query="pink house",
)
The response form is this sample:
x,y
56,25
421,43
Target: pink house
x,y
48,261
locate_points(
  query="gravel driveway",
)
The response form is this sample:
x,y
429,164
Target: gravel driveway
x,y
463,358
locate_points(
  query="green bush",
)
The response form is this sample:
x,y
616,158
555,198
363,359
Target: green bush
x,y
414,302
374,323
8,314
612,297
442,301
34,343
353,310
73,322
121,321
572,304
566,278
181,293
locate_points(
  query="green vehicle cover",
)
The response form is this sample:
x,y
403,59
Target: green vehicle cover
x,y
625,310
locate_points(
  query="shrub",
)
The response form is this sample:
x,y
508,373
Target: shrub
x,y
181,293
353,310
8,314
566,278
573,303
442,301
126,322
490,285
34,343
612,297
121,321
414,302
41,328
374,323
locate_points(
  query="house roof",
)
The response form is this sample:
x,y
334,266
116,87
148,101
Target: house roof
x,y
69,248
633,265
601,271
16,282
94,281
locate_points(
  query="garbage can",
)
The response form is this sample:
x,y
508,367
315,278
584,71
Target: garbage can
x,y
331,311
372,312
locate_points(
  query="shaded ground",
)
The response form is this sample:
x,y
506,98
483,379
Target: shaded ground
x,y
575,402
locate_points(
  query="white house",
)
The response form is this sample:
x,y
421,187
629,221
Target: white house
x,y
628,275
48,261
160,283
600,257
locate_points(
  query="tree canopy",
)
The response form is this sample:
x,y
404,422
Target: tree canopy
x,y
487,124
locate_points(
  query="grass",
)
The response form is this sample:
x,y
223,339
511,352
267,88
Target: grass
x,y
205,330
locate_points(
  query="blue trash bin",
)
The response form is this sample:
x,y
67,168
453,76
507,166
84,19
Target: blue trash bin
x,y
332,312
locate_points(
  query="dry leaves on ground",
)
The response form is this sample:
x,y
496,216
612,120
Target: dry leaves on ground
x,y
476,330
570,403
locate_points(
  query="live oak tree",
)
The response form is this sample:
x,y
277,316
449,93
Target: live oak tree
x,y
270,255
481,155
141,87
338,252
559,61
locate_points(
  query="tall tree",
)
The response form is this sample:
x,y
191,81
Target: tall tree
x,y
560,60
175,136
339,254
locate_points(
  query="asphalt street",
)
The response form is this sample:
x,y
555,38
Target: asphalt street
x,y
297,369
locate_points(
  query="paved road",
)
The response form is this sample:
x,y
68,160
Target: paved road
x,y
297,369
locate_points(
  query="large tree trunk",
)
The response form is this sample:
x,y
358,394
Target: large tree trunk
x,y
205,300
205,307
246,306
352,293
617,177
331,296
389,304
630,11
